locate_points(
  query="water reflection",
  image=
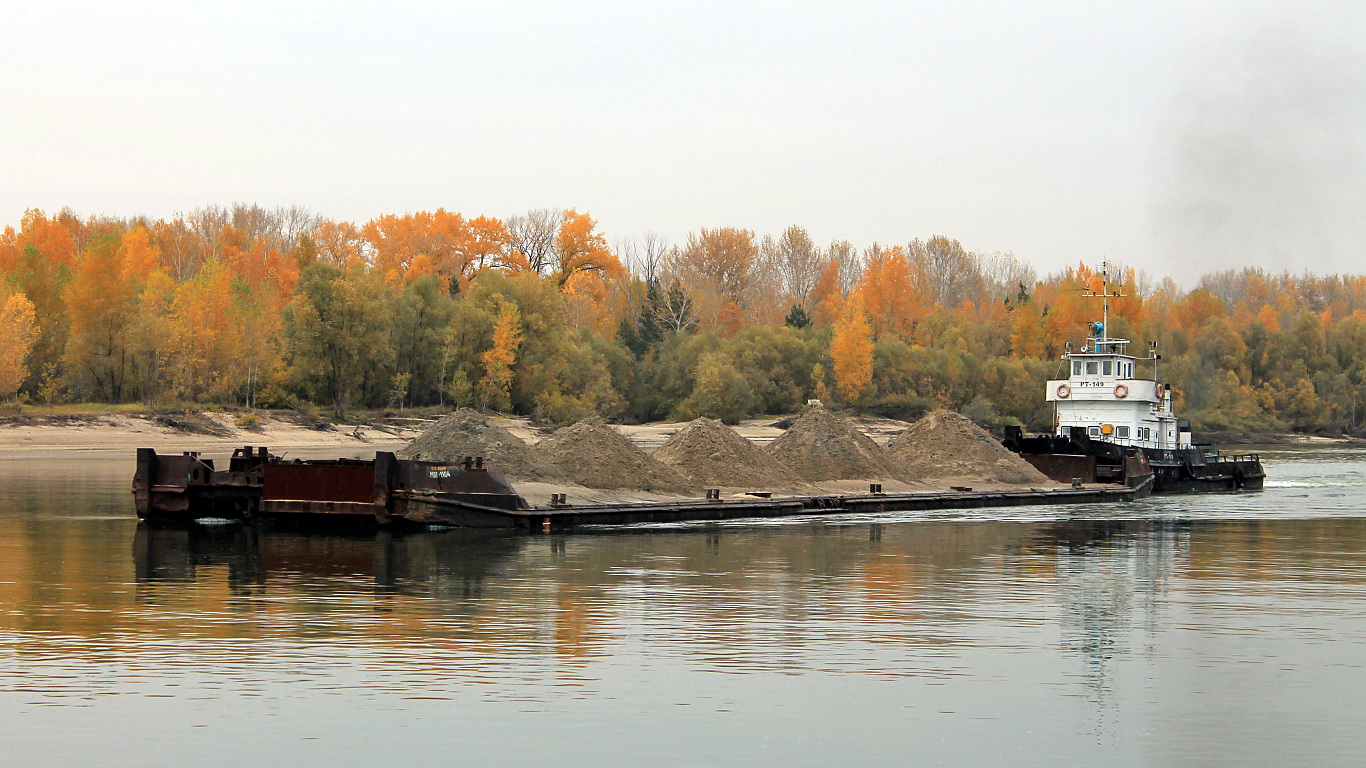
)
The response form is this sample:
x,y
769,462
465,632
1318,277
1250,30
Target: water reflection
x,y
247,555
758,599
1083,636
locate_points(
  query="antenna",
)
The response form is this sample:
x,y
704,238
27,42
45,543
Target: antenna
x,y
1105,297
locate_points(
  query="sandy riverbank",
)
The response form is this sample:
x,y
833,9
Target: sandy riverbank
x,y
104,435
111,433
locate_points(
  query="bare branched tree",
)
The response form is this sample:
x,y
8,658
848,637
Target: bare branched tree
x,y
677,312
951,273
533,235
208,223
295,222
799,261
851,265
643,256
653,246
255,222
1004,274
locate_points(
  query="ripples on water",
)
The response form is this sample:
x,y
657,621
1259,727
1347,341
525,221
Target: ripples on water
x,y
1209,630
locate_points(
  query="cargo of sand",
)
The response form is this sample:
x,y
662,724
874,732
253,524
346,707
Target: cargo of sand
x,y
822,446
945,444
714,455
594,455
468,433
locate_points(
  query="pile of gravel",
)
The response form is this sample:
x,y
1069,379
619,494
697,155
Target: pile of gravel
x,y
822,446
594,455
946,444
716,456
467,433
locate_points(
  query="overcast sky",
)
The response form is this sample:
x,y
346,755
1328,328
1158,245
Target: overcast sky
x,y
1178,136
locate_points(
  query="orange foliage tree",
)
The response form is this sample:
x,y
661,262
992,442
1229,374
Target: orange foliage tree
x,y
239,303
454,247
579,247
851,350
890,294
826,297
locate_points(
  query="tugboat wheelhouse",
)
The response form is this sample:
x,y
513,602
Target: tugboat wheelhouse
x,y
1105,396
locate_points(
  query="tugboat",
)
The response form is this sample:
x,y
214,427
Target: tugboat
x,y
1104,414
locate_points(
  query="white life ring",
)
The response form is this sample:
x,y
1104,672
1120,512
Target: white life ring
x,y
1064,391
1158,389
1121,391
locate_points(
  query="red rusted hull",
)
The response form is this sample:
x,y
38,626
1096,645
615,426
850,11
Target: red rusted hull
x,y
258,485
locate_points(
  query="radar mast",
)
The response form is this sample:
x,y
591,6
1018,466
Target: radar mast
x,y
1105,295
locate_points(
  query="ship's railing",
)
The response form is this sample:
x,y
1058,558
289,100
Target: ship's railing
x,y
1171,456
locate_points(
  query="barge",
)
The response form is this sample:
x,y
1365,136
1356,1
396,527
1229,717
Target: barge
x,y
388,491
1105,414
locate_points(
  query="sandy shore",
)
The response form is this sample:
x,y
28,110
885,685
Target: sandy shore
x,y
111,433
119,434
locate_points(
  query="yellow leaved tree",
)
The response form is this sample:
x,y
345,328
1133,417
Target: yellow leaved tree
x,y
498,359
18,331
851,350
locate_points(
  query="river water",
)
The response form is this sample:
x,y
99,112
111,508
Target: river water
x,y
1198,630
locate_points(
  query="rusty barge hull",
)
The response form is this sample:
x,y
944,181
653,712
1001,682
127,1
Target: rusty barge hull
x,y
388,491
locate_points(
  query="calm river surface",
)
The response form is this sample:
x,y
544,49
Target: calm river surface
x,y
1215,630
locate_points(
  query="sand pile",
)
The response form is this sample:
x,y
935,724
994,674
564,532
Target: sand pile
x,y
947,444
593,454
468,433
822,446
716,456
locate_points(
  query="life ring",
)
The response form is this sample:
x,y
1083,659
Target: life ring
x,y
1158,388
1121,391
1064,391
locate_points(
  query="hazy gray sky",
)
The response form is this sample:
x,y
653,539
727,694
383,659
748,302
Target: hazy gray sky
x,y
1178,136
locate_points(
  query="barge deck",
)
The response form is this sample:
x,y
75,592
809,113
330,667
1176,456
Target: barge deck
x,y
562,518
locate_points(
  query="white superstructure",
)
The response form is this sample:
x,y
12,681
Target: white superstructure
x,y
1104,395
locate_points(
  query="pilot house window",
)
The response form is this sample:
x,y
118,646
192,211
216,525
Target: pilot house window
x,y
1076,367
1091,366
1106,368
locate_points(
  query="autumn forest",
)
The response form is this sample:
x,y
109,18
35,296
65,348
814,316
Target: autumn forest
x,y
540,314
